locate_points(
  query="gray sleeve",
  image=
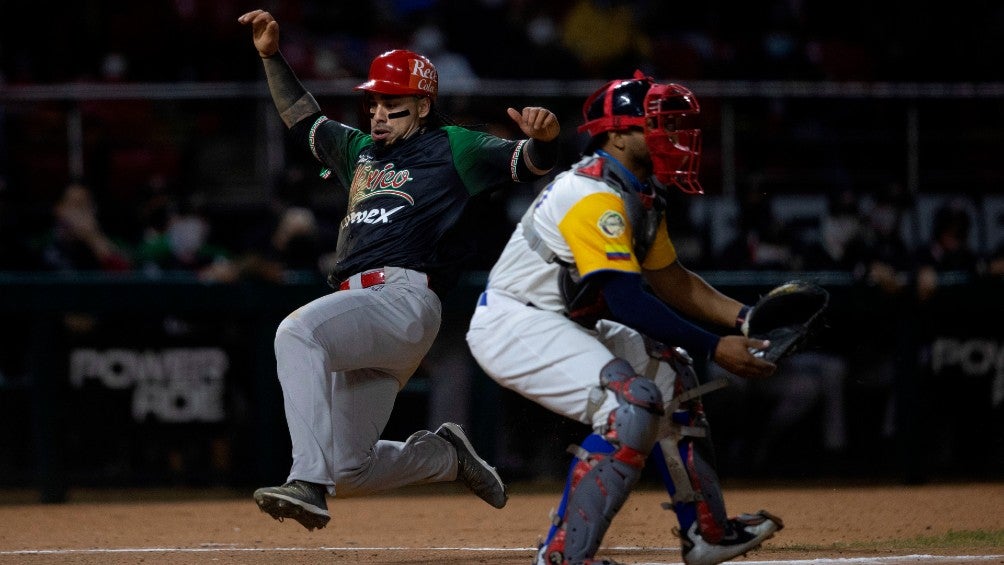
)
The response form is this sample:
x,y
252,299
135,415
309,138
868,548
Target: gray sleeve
x,y
290,97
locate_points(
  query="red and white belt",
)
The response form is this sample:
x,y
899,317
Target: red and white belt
x,y
374,277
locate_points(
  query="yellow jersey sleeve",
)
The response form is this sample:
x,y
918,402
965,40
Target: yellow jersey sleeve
x,y
597,230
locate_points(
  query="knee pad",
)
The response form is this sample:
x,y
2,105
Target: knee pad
x,y
635,421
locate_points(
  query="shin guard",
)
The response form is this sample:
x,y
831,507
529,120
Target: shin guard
x,y
599,483
593,443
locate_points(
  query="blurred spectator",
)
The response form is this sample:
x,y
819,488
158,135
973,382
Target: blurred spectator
x,y
880,353
542,41
76,240
297,240
156,199
453,68
887,258
479,43
179,241
606,37
946,269
176,239
947,250
841,244
294,245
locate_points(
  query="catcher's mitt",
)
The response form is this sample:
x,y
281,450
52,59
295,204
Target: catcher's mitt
x,y
786,316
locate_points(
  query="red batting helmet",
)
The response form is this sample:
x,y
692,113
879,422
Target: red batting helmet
x,y
400,72
658,110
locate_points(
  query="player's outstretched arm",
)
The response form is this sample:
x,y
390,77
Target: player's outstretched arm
x,y
291,98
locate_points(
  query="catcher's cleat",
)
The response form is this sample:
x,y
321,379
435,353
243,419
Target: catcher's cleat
x,y
299,500
747,532
540,558
473,471
543,558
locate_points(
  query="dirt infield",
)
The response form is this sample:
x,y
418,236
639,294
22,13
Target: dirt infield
x,y
444,524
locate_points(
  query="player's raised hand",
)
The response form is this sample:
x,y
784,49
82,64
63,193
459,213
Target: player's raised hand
x,y
264,31
536,123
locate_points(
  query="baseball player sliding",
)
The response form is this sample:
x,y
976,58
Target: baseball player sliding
x,y
342,358
567,322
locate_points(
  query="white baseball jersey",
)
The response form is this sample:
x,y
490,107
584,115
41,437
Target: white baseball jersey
x,y
584,221
520,334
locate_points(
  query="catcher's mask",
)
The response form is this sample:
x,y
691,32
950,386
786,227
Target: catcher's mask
x,y
659,110
402,72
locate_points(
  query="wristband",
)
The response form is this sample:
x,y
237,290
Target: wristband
x,y
543,154
744,313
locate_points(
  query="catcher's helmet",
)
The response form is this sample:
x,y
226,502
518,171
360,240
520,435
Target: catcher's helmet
x,y
400,72
657,109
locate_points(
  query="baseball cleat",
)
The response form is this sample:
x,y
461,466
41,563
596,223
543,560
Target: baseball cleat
x,y
302,501
473,471
747,532
555,558
540,558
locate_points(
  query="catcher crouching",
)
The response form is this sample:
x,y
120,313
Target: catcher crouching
x,y
587,313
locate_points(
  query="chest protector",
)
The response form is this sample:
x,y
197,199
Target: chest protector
x,y
583,299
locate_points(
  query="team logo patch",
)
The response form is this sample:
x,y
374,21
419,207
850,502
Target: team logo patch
x,y
617,252
369,181
612,224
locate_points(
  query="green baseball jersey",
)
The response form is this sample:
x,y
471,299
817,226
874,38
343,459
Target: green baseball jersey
x,y
404,199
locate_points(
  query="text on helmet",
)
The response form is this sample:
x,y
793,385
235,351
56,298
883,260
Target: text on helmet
x,y
424,77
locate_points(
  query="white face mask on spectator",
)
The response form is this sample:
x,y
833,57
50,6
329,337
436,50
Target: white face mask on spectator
x,y
186,235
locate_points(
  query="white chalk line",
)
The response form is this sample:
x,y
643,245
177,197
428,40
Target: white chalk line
x,y
224,547
210,548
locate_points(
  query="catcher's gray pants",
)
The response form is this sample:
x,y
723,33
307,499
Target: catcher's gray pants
x,y
341,361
